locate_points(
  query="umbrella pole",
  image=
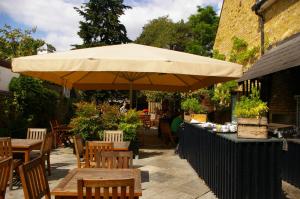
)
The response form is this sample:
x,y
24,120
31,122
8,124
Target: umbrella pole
x,y
130,93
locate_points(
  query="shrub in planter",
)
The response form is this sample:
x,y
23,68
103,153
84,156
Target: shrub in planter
x,y
86,121
129,123
250,112
193,109
110,116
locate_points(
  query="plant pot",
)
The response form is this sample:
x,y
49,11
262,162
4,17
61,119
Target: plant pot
x,y
199,117
134,146
252,128
187,118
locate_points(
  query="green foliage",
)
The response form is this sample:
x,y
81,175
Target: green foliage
x,y
192,105
17,42
110,116
86,121
103,95
197,94
251,107
101,25
157,96
203,25
164,33
196,36
222,94
32,100
91,124
130,122
241,53
218,55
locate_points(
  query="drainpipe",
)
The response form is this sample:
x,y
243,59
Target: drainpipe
x,y
256,8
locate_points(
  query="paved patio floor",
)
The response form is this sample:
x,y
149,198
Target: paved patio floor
x,y
164,174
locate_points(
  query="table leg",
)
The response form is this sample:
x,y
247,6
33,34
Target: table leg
x,y
27,156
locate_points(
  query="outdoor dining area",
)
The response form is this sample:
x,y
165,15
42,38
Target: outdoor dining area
x,y
106,167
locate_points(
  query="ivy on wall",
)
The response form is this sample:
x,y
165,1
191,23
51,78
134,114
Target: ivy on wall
x,y
240,53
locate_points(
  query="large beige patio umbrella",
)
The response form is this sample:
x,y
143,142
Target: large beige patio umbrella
x,y
127,67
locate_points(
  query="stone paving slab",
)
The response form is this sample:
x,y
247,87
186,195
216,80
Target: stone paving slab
x,y
164,174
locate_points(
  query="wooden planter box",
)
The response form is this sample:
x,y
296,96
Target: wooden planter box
x,y
199,117
252,128
187,118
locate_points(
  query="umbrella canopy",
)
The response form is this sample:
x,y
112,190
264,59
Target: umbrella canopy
x,y
127,66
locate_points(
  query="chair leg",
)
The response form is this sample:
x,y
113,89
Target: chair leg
x,y
11,178
48,165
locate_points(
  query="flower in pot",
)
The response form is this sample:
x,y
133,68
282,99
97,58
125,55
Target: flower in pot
x,y
193,110
250,112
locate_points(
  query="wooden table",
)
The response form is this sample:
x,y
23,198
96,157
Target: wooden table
x,y
25,146
67,188
275,126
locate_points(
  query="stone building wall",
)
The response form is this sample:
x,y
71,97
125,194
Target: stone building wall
x,y
282,103
237,19
282,19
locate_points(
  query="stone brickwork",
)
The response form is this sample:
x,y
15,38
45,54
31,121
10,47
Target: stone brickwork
x,y
282,103
282,19
237,19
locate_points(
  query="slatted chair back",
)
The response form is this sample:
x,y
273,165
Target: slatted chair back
x,y
114,159
106,189
5,169
36,133
34,180
113,136
79,150
47,144
5,148
91,149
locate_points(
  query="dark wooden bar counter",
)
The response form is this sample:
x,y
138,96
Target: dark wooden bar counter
x,y
233,168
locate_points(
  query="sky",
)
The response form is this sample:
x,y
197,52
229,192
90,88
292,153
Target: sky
x,y
58,23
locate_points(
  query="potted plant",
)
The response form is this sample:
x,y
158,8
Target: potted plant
x,y
129,124
193,110
250,112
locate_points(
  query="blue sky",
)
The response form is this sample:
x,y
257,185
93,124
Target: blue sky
x,y
57,21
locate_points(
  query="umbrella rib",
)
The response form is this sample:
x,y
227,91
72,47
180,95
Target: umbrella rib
x,y
114,81
62,77
149,79
82,77
182,80
195,78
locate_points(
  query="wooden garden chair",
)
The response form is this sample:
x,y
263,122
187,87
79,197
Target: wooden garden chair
x,y
79,150
113,136
34,180
5,170
114,159
61,133
103,188
92,147
6,152
45,151
36,133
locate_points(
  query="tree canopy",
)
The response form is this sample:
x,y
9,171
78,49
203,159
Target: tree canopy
x,y
195,36
17,42
164,33
101,25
